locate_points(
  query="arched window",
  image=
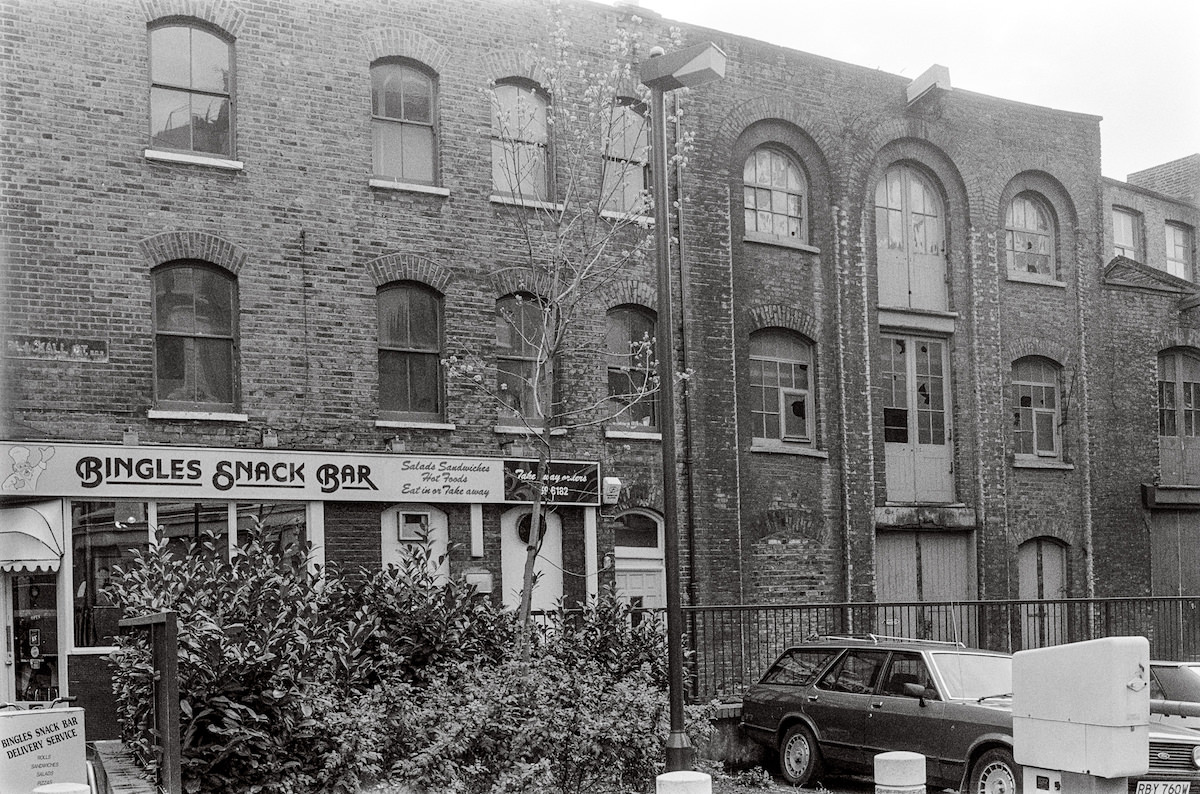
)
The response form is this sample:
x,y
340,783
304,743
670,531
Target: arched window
x,y
195,326
625,168
403,132
191,90
781,386
1036,408
910,241
638,559
524,370
410,346
775,196
1029,236
520,141
629,348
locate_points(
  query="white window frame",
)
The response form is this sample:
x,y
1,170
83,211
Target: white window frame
x,y
515,148
380,122
782,391
1012,231
755,187
1039,414
626,175
1179,250
1127,233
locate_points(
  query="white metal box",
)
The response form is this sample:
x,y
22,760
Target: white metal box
x,y
1084,707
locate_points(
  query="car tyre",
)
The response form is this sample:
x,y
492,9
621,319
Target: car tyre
x,y
799,758
995,772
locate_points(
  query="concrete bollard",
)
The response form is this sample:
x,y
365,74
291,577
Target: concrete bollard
x,y
899,772
683,782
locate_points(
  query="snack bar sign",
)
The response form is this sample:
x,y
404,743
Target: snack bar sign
x,y
123,472
41,747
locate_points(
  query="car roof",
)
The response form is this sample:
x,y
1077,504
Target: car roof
x,y
886,642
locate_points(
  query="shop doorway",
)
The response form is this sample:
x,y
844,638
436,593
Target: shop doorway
x,y
32,662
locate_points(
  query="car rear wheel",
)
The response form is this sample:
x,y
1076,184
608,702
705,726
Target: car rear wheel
x,y
995,773
799,758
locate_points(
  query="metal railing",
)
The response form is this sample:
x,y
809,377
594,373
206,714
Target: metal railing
x,y
731,646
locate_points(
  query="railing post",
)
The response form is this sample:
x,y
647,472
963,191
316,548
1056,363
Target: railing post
x,y
164,658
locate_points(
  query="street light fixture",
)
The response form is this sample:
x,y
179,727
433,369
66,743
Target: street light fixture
x,y
661,73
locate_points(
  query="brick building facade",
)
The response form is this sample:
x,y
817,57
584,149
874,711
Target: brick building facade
x,y
922,372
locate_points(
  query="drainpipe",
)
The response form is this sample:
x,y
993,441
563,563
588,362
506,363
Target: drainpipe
x,y
685,390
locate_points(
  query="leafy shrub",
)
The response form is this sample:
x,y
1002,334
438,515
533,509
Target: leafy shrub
x,y
250,630
407,619
400,680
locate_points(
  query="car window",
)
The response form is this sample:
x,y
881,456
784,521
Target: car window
x,y
855,672
799,666
1170,682
969,676
907,668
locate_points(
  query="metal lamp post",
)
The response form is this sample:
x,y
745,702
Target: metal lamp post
x,y
661,73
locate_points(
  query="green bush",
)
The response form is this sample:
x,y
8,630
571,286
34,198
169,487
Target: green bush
x,y
297,680
251,632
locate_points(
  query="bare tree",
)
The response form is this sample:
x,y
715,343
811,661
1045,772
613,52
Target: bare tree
x,y
569,159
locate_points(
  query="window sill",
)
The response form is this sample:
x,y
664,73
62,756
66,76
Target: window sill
x,y
194,159
207,416
92,650
641,435
516,201
640,218
781,242
1035,278
1042,463
928,320
786,448
408,187
521,430
415,424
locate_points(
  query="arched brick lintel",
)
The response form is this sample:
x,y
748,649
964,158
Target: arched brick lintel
x,y
169,246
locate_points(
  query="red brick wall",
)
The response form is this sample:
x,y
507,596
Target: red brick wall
x,y
86,213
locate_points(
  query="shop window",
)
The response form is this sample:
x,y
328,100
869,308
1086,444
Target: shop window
x,y
524,370
403,127
281,526
629,345
105,536
191,90
1029,237
520,141
1036,408
781,386
195,331
775,197
410,345
625,170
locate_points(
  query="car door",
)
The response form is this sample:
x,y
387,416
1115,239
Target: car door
x,y
839,704
899,720
784,688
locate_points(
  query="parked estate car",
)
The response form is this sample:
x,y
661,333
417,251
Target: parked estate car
x,y
833,703
1175,681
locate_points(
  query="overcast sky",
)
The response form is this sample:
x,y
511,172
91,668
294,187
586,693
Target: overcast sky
x,y
1136,64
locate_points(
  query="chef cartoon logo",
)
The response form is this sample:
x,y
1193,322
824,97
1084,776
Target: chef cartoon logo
x,y
26,468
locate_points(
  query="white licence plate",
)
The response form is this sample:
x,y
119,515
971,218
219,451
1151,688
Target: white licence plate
x,y
1163,787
